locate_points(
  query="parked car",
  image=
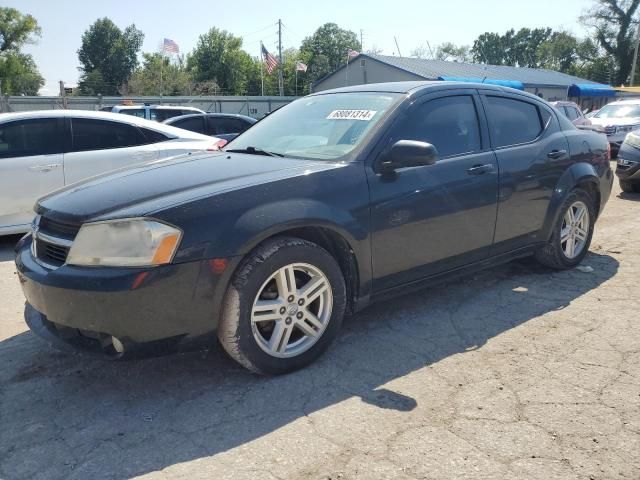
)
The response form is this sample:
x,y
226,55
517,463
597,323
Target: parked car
x,y
628,167
334,201
572,111
158,113
616,119
46,150
591,113
226,126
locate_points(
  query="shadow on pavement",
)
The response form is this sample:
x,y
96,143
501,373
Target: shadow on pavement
x,y
66,416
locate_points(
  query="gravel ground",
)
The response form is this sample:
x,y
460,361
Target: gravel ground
x,y
515,373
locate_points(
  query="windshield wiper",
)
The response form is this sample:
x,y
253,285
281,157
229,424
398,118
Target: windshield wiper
x,y
254,151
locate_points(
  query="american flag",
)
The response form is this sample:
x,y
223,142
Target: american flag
x,y
269,59
352,53
169,46
301,67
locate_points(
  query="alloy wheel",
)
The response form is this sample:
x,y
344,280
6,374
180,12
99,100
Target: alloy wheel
x,y
575,229
291,310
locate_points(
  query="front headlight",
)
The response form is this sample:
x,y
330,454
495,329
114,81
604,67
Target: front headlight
x,y
135,242
632,139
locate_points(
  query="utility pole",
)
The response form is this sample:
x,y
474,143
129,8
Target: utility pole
x,y
361,43
63,94
396,40
281,73
635,57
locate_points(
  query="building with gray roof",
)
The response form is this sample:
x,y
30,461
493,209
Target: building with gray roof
x,y
548,84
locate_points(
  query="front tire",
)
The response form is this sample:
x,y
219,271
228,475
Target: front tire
x,y
284,306
571,236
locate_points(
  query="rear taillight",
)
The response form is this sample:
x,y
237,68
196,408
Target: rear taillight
x,y
217,146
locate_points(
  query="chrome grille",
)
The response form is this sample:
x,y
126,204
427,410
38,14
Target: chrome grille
x,y
51,241
609,130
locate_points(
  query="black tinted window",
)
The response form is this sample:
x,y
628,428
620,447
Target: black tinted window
x,y
512,121
221,125
450,124
195,124
152,136
134,112
91,134
161,114
30,137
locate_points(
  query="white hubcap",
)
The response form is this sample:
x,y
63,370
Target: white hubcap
x,y
575,229
292,310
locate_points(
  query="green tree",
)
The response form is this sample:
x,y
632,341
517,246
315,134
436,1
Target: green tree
x,y
513,48
159,75
326,49
16,29
445,51
18,72
559,52
108,56
614,23
219,57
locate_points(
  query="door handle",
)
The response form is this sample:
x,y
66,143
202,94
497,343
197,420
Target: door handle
x,y
44,168
554,154
480,169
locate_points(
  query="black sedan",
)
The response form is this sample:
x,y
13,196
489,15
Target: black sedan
x,y
628,166
336,200
225,126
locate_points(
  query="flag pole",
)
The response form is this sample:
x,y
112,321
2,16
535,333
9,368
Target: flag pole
x,y
261,71
346,80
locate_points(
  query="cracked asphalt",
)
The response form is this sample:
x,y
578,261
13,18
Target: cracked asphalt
x,y
518,372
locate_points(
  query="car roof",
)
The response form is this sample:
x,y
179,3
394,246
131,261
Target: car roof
x,y
416,86
171,120
564,103
167,107
630,101
114,117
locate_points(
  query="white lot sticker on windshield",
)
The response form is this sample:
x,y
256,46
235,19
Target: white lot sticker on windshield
x,y
365,115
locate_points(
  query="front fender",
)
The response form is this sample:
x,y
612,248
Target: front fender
x,y
576,174
264,221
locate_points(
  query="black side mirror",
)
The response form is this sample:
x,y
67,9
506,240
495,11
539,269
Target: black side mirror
x,y
407,153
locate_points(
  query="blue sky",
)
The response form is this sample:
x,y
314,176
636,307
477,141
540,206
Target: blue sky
x,y
413,22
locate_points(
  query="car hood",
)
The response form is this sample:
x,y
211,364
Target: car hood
x,y
144,189
618,122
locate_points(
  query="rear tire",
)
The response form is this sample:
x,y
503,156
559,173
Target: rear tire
x,y
571,236
284,306
629,187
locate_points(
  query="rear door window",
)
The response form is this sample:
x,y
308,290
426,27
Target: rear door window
x,y
134,112
161,114
91,134
194,124
25,138
449,123
512,121
222,125
152,136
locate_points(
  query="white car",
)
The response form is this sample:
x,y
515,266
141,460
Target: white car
x,y
46,150
159,113
616,119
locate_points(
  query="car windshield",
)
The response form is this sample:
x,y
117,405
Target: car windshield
x,y
618,111
322,127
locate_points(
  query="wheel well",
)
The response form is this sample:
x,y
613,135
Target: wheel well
x,y
339,248
593,191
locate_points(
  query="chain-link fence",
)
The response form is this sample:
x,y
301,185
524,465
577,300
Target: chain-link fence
x,y
252,106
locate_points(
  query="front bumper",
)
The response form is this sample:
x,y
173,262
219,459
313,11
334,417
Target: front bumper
x,y
628,165
172,305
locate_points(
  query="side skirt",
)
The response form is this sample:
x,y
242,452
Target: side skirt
x,y
417,285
